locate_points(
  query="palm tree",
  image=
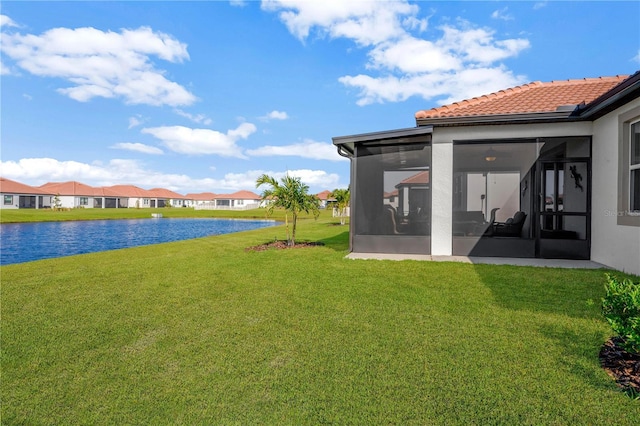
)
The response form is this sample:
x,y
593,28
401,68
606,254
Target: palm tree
x,y
342,197
293,196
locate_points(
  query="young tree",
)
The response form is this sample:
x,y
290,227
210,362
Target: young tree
x,y
293,196
342,196
57,204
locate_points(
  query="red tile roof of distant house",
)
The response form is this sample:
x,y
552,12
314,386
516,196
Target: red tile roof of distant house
x,y
203,196
71,188
166,193
393,193
239,195
130,191
418,178
325,195
8,186
536,97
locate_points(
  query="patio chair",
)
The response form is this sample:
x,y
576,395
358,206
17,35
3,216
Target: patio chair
x,y
390,221
512,227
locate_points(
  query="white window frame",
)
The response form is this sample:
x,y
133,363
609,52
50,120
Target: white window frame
x,y
9,198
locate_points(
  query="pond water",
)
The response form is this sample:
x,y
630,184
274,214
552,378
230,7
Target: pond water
x,y
24,242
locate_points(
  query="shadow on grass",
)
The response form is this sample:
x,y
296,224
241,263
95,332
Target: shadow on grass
x,y
338,242
573,295
572,292
580,355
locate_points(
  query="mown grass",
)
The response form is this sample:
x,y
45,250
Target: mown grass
x,y
47,215
206,332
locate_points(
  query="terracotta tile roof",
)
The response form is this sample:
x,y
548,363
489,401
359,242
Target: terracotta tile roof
x,y
324,195
8,186
418,178
71,188
536,97
239,195
203,196
130,191
393,193
166,193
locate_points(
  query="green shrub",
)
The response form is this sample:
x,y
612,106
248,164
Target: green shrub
x,y
621,308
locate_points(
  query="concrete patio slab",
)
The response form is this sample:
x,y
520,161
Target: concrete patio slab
x,y
545,263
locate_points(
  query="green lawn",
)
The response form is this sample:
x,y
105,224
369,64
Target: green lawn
x,y
205,332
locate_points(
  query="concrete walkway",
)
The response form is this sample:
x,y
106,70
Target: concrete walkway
x,y
547,263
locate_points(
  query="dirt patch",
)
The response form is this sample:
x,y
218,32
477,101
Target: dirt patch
x,y
281,245
621,365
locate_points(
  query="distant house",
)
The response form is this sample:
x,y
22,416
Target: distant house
x,y
74,194
16,195
128,196
547,170
240,200
78,195
325,198
199,199
166,197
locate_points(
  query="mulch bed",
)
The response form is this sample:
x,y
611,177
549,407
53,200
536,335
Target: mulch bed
x,y
621,365
281,245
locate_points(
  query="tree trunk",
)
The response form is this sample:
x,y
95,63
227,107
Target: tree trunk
x,y
286,225
293,233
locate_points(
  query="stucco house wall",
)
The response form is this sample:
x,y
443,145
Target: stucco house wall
x,y
612,244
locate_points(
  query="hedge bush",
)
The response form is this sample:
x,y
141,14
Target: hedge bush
x,y
621,308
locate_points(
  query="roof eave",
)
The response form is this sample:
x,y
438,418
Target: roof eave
x,y
500,119
619,95
346,144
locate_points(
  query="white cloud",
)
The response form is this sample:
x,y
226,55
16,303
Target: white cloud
x,y
540,5
134,122
4,70
478,45
103,63
444,87
312,178
366,22
502,14
402,62
186,140
29,170
307,149
413,55
5,21
637,57
198,118
138,147
37,171
275,115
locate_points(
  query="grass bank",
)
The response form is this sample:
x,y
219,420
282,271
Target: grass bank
x,y
205,332
48,215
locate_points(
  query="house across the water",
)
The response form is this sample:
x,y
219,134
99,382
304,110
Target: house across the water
x,y
543,170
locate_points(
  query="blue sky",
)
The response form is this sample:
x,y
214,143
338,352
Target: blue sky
x,y
208,95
